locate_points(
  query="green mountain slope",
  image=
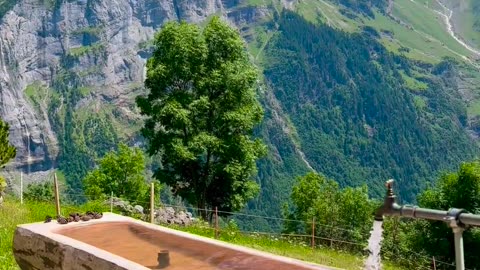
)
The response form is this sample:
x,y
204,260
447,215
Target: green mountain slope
x,y
358,111
465,19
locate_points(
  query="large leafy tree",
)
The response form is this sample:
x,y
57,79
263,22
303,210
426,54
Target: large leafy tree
x,y
7,151
200,111
121,172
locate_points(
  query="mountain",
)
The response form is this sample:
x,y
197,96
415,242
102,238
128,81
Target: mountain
x,y
360,90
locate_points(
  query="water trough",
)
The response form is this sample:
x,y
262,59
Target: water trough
x,y
116,242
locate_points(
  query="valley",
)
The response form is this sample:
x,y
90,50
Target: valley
x,y
69,95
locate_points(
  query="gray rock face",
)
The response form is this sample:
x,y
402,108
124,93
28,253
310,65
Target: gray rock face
x,y
139,209
103,41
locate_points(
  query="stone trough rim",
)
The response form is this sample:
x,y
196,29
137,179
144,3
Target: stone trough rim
x,y
52,229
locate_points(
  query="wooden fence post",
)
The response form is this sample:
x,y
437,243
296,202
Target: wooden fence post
x,y
111,202
313,232
152,202
21,187
216,222
57,195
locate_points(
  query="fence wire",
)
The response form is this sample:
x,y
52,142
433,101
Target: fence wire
x,y
307,237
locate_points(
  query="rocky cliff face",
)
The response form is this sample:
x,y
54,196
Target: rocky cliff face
x,y
105,43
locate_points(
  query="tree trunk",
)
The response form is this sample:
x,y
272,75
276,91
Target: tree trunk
x,y
202,209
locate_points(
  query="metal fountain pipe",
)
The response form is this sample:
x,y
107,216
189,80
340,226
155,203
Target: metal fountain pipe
x,y
456,218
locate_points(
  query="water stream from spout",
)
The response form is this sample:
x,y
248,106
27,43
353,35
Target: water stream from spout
x,y
374,245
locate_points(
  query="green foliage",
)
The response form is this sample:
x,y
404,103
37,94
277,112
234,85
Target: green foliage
x,y
339,214
5,6
3,185
12,213
83,136
459,189
121,172
39,192
7,151
476,14
83,50
364,7
201,111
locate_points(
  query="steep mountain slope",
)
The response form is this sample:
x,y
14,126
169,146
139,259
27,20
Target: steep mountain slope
x,y
336,102
465,19
357,118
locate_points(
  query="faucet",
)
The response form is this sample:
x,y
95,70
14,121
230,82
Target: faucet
x,y
389,207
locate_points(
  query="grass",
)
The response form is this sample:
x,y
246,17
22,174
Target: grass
x,y
474,108
464,22
427,21
412,83
424,34
83,50
92,30
12,213
322,10
421,46
5,6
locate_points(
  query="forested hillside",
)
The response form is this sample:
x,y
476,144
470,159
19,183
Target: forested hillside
x,y
358,114
360,90
351,103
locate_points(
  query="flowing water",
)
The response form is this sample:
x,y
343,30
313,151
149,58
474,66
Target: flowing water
x,y
374,245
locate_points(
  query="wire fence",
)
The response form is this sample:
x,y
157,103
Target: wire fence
x,y
314,240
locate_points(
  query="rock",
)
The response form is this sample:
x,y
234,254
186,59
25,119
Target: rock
x,y
139,209
170,212
34,38
168,215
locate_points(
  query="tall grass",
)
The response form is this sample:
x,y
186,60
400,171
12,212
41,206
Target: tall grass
x,y
12,213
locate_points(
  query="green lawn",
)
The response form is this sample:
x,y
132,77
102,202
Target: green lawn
x,y
13,213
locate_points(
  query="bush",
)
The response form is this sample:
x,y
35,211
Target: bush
x,y
40,192
3,184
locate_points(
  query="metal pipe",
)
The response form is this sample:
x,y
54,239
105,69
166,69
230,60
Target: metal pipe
x,y
469,219
459,258
456,218
417,212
